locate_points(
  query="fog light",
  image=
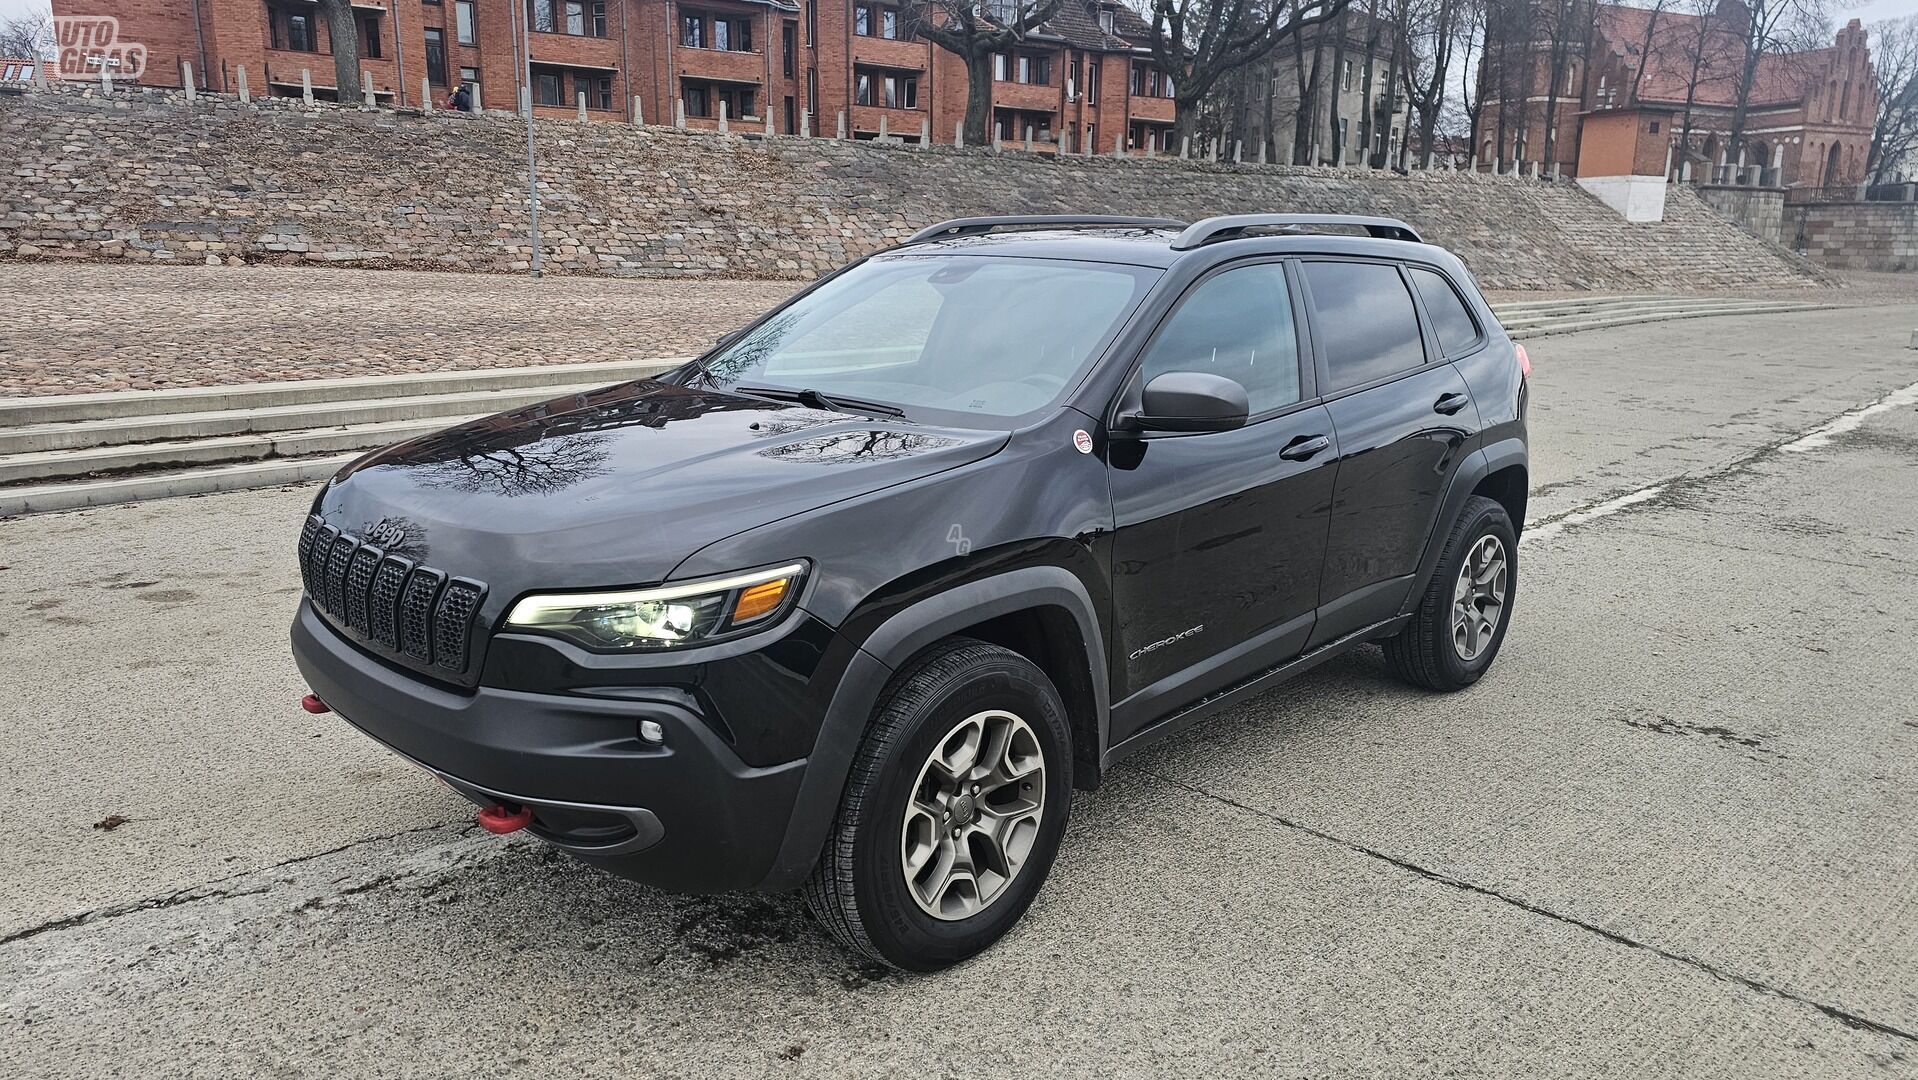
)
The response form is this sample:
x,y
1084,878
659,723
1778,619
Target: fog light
x,y
650,731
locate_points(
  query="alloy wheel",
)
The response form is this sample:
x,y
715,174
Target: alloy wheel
x,y
1478,600
973,815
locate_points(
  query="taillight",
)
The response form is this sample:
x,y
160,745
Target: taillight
x,y
1524,361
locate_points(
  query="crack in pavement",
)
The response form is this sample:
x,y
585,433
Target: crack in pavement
x,y
206,890
1815,437
1844,1016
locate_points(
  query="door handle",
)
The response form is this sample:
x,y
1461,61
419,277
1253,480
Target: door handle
x,y
1450,404
1304,447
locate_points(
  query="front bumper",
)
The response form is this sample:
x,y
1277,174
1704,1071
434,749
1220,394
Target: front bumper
x,y
686,815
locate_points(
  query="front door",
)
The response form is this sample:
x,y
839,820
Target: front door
x,y
1402,425
1220,536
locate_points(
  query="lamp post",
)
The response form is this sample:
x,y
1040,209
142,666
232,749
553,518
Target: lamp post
x,y
525,34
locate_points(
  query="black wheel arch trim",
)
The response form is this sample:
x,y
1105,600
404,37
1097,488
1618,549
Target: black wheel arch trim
x,y
889,647
1477,465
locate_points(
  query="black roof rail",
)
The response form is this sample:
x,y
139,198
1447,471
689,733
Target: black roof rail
x,y
1235,225
977,226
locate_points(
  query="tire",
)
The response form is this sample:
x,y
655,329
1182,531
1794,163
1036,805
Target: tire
x,y
860,890
1432,651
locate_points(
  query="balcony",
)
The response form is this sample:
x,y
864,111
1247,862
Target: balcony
x,y
721,65
904,122
1162,110
1027,96
886,52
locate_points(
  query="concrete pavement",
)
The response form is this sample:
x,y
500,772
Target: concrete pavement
x,y
1669,835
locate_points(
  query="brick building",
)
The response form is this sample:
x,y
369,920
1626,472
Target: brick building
x,y
1809,114
1083,78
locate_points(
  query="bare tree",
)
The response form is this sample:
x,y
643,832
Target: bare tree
x,y
1894,133
1700,48
1431,37
1308,78
1646,46
1471,34
1199,42
28,36
1336,136
1770,27
343,37
974,32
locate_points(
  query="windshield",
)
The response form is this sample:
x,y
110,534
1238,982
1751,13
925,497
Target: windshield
x,y
975,338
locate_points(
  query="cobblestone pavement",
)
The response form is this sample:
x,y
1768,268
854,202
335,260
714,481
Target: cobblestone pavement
x,y
77,329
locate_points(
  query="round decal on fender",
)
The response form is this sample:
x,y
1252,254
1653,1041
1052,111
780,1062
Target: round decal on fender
x,y
1083,441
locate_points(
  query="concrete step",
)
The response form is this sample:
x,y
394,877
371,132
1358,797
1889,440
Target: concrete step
x,y
40,498
1513,312
39,438
1600,322
51,465
69,408
1649,313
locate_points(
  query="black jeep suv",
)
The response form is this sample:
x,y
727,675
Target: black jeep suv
x,y
854,601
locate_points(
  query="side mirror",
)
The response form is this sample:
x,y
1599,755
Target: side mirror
x,y
1192,401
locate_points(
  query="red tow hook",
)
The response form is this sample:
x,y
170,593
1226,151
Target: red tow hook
x,y
312,703
500,820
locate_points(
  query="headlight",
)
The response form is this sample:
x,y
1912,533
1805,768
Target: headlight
x,y
664,617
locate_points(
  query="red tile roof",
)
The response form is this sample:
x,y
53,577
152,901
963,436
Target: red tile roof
x,y
1781,79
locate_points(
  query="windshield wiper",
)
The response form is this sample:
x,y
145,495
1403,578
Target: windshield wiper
x,y
816,400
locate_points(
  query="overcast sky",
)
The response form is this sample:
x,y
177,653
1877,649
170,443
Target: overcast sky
x,y
1868,10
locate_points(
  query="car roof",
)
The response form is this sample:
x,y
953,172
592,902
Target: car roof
x,y
1153,246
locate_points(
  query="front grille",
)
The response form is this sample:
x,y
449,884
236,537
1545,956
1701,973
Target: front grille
x,y
387,600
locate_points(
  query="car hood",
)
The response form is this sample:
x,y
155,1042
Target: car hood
x,y
618,486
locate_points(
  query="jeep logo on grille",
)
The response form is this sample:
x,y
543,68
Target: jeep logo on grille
x,y
386,533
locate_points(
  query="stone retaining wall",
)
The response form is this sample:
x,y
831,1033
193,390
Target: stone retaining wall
x,y
145,175
1856,236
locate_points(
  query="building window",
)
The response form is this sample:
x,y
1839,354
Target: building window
x,y
812,91
888,89
547,83
370,36
704,99
702,30
1035,70
999,67
876,20
792,116
436,55
1346,78
1106,20
469,77
812,23
289,30
1092,85
602,91
580,18
788,50
463,20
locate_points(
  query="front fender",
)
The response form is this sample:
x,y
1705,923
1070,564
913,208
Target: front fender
x,y
889,646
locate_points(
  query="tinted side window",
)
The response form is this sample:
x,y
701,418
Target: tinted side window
x,y
1239,325
1365,321
1453,324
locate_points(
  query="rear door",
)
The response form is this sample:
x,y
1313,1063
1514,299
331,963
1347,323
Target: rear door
x,y
1220,536
1402,415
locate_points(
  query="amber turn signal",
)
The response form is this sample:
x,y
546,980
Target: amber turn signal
x,y
759,600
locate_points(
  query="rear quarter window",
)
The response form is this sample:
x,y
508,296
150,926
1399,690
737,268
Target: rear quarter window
x,y
1364,322
1452,322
